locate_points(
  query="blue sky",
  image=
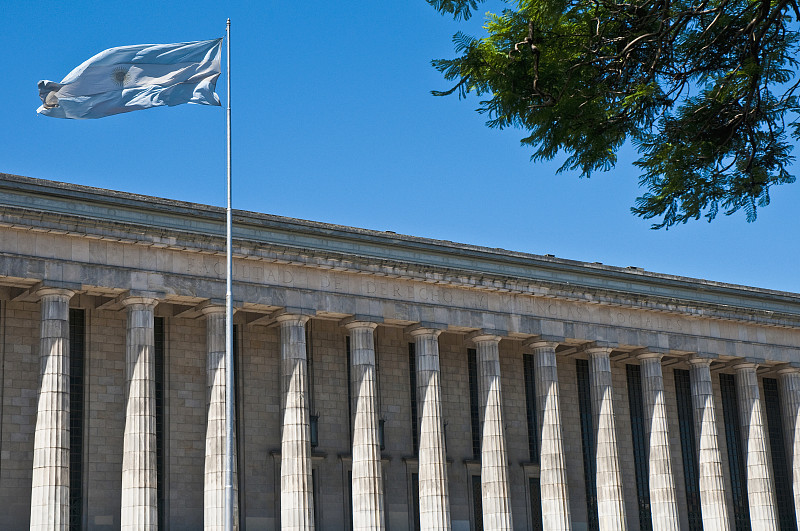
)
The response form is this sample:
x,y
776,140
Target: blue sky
x,y
333,121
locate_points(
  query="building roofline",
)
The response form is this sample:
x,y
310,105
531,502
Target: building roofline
x,y
376,244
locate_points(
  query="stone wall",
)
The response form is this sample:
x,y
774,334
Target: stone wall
x,y
20,382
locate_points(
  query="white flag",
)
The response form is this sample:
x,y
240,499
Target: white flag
x,y
129,78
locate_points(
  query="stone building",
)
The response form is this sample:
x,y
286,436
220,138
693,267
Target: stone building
x,y
382,381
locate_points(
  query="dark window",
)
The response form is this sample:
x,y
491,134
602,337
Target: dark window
x,y
349,390
315,494
158,336
412,379
377,391
683,393
780,467
313,417
313,429
530,402
477,502
733,438
536,504
237,434
474,412
350,496
77,355
310,367
415,501
587,436
634,374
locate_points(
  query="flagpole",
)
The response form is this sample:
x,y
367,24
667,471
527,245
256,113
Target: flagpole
x,y
229,424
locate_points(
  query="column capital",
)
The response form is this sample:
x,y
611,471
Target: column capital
x,y
543,341
425,328
598,351
45,291
538,343
649,355
212,309
137,299
745,365
482,336
360,321
292,318
295,311
698,361
789,370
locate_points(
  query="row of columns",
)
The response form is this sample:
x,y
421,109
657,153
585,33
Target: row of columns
x,y
663,499
50,484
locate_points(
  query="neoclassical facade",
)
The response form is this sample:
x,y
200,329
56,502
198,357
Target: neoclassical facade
x,y
381,381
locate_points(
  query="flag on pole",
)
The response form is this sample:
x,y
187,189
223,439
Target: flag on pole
x,y
129,78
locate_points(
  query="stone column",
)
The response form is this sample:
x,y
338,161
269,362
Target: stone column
x,y
434,498
139,472
552,461
297,503
760,486
790,406
663,500
214,483
367,487
50,485
610,497
494,457
713,503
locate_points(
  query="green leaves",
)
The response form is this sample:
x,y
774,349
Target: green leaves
x,y
705,91
459,9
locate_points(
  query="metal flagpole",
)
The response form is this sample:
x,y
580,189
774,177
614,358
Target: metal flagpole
x,y
229,321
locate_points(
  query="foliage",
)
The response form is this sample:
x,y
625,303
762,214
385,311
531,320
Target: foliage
x,y
705,89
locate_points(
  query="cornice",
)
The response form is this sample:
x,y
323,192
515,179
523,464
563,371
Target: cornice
x,y
39,205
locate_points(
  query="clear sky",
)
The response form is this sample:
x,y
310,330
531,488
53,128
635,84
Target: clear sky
x,y
333,121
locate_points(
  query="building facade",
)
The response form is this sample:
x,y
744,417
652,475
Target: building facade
x,y
381,381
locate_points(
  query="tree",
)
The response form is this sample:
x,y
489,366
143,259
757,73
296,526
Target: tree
x,y
705,90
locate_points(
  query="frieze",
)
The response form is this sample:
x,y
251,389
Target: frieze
x,y
650,313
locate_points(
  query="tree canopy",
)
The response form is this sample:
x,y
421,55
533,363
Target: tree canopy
x,y
705,90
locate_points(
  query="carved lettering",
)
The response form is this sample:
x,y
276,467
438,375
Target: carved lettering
x,y
539,307
334,283
573,312
527,306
